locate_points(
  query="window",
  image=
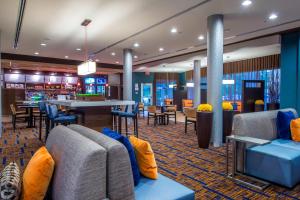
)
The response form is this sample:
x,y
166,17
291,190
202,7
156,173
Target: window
x,y
164,90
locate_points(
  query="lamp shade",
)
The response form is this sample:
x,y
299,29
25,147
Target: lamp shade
x,y
87,67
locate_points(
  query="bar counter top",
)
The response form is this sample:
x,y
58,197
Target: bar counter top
x,y
79,103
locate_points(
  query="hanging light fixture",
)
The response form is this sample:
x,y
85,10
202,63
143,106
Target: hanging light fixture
x,y
88,66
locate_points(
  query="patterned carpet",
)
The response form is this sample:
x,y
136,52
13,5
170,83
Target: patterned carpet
x,y
177,155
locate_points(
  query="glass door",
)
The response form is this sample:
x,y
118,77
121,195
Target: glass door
x,y
146,93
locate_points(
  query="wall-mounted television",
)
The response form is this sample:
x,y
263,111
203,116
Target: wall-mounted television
x,y
101,81
89,80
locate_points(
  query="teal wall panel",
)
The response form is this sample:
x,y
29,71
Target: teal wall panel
x,y
290,71
140,77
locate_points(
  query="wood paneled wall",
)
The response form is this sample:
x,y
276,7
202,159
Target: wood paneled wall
x,y
254,64
166,76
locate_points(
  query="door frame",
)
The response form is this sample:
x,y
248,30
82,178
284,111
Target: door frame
x,y
151,92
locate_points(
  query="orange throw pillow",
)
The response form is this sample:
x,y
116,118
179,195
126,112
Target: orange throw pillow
x,y
145,157
37,175
295,129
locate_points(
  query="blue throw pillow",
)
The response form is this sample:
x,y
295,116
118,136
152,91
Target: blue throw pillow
x,y
127,144
283,124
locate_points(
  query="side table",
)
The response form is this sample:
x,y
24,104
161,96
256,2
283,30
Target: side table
x,y
234,139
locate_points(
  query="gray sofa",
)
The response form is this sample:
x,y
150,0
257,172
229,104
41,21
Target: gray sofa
x,y
277,161
92,166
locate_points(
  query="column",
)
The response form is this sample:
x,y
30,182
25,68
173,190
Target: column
x,y
215,74
1,105
197,81
127,74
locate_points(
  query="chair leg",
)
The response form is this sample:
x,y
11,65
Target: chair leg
x,y
14,122
175,118
113,125
148,119
126,126
40,127
136,127
185,125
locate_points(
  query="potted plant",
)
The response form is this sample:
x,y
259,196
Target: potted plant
x,y
227,119
204,124
274,92
259,105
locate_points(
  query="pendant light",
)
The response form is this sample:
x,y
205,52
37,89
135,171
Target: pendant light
x,y
88,66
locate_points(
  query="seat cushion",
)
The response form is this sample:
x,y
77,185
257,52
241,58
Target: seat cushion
x,y
162,188
287,143
191,119
127,144
37,175
274,163
66,118
283,124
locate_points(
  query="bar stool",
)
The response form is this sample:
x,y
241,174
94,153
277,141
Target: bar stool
x,y
132,115
42,115
115,113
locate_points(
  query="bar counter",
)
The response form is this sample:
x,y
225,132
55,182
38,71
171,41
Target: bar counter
x,y
95,114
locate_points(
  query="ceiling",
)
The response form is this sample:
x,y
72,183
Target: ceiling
x,y
118,24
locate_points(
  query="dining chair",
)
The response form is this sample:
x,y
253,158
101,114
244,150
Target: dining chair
x,y
142,108
56,118
153,113
190,117
171,112
18,115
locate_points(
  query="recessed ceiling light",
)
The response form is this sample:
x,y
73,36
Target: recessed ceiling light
x,y
117,62
273,16
113,53
36,53
43,44
161,49
174,30
201,37
246,3
78,49
66,56
97,60
136,44
135,56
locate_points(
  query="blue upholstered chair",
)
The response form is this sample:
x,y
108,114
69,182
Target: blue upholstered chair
x,y
56,119
134,116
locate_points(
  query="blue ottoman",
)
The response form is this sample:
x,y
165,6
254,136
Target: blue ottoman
x,y
274,163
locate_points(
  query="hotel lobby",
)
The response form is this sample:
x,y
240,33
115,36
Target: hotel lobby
x,y
149,99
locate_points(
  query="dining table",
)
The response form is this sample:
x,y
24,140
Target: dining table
x,y
29,109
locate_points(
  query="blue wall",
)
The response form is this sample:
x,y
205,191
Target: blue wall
x,y
290,71
140,77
